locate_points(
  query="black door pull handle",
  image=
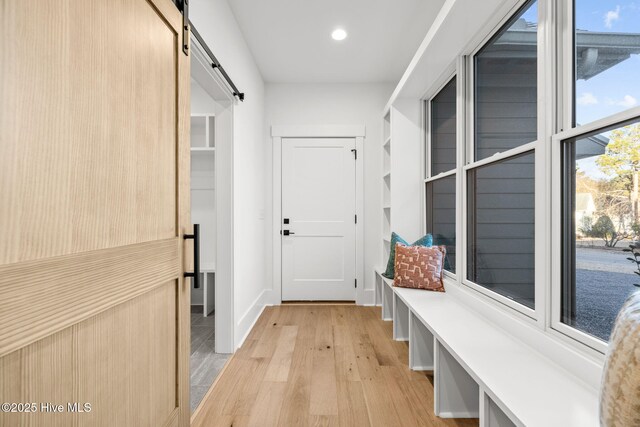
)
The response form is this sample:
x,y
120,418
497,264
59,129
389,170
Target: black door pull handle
x,y
196,255
287,232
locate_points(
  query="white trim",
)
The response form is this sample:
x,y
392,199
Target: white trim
x,y
459,414
250,317
547,124
503,155
564,60
426,42
328,131
495,296
599,124
447,77
555,218
203,72
323,131
461,129
225,324
441,175
360,294
277,217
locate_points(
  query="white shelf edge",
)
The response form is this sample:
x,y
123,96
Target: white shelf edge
x,y
203,149
387,175
387,142
386,207
208,269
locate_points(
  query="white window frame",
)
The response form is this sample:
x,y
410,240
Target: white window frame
x,y
452,72
537,313
555,125
568,130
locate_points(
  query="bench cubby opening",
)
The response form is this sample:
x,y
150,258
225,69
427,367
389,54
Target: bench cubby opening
x,y
457,395
491,415
421,356
400,319
387,300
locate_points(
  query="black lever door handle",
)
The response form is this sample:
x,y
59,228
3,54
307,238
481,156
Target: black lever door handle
x,y
196,255
287,232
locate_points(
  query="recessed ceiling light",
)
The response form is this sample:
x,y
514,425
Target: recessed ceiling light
x,y
339,34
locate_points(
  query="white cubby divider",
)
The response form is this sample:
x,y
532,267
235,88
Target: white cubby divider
x,y
421,340
400,319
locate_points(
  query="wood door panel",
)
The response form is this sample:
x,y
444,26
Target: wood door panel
x,y
35,296
112,360
104,113
94,191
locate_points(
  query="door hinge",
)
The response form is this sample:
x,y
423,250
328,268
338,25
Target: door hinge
x,y
355,284
186,37
356,219
355,154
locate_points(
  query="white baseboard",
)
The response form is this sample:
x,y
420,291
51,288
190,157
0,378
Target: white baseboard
x,y
459,414
249,319
368,298
271,297
422,368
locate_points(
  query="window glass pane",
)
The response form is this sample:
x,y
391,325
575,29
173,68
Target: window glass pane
x,y
600,221
506,86
441,216
501,228
443,130
607,60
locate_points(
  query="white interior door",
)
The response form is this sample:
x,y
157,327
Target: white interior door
x,y
318,219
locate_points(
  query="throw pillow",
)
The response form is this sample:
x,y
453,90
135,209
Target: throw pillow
x,y
419,267
426,240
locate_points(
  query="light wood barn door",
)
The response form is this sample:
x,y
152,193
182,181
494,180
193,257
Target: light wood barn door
x,y
94,196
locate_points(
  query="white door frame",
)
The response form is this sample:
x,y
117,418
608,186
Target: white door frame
x,y
328,131
213,84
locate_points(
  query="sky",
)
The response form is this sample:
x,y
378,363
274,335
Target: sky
x,y
617,88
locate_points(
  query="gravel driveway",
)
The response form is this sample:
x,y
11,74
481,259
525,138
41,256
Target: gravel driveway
x,y
604,280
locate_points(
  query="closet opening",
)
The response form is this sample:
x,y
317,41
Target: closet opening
x,y
211,189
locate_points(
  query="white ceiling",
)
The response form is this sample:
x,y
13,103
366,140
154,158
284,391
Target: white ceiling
x,y
291,39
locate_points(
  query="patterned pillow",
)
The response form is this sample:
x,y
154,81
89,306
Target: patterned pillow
x,y
620,394
426,240
419,267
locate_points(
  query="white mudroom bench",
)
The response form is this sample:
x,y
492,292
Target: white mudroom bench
x,y
479,370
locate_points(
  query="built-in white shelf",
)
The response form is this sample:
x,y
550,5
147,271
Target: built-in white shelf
x,y
386,185
203,205
208,268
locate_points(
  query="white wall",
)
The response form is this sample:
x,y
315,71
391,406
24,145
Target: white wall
x,y
335,104
201,101
217,25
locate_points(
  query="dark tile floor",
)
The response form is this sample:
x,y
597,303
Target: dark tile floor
x,y
205,363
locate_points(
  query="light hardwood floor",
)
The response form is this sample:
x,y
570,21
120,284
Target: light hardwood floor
x,y
317,365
